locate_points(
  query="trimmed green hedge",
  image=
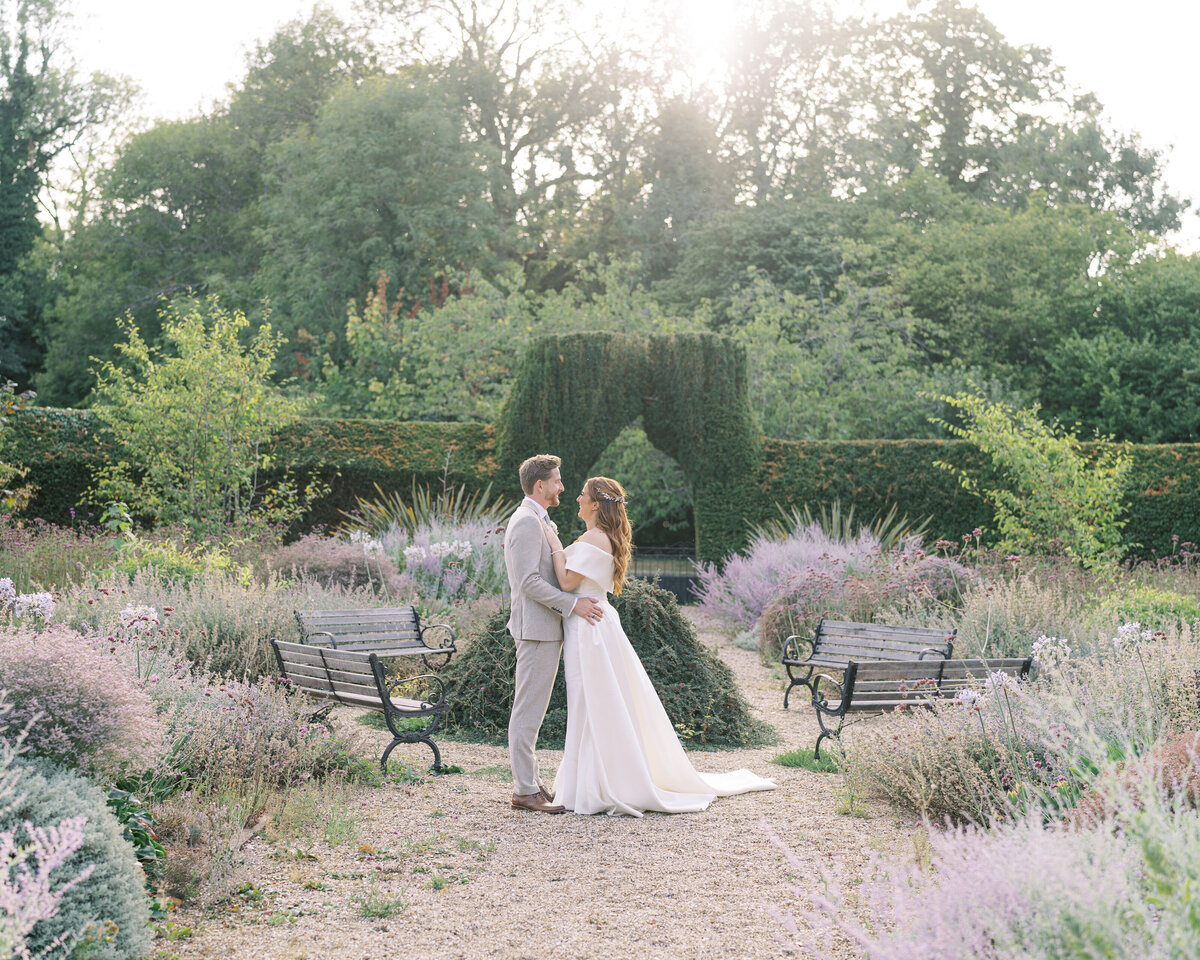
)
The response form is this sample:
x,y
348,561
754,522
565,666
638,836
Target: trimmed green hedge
x,y
1164,488
61,447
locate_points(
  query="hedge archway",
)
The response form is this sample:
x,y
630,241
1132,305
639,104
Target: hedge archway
x,y
574,393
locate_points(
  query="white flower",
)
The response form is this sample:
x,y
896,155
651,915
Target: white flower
x,y
414,554
40,604
134,617
1127,633
462,548
998,681
1050,650
8,593
968,697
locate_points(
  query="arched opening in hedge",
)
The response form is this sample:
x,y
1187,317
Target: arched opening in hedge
x,y
574,394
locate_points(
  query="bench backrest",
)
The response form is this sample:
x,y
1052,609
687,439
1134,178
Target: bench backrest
x,y
879,682
878,641
377,628
347,676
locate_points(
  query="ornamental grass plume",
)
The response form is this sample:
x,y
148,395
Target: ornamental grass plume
x,y
83,706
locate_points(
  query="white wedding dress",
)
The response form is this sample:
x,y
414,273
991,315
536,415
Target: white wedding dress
x,y
622,754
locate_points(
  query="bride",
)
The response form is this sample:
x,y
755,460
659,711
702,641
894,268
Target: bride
x,y
622,754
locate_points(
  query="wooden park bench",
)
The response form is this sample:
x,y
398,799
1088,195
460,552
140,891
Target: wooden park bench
x,y
358,679
878,686
386,631
837,642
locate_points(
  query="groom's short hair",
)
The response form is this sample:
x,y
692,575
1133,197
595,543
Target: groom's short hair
x,y
538,467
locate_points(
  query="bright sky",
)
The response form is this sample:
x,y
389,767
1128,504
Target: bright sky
x,y
1139,58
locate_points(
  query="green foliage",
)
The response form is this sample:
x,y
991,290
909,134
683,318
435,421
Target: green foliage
x,y
572,396
192,427
1150,606
1057,499
11,500
137,827
178,208
802,759
697,689
111,903
575,394
383,182
836,364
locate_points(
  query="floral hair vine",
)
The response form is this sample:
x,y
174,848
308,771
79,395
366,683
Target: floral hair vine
x,y
610,498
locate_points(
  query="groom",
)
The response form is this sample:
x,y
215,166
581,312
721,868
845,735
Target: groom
x,y
538,610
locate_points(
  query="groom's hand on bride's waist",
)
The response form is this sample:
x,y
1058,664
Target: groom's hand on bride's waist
x,y
588,609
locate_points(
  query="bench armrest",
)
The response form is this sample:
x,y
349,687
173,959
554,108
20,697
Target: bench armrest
x,y
791,646
442,626
321,633
936,651
441,693
819,700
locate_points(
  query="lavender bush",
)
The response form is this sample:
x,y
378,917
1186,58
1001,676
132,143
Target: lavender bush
x,y
1023,891
83,707
450,561
220,732
996,753
355,562
782,587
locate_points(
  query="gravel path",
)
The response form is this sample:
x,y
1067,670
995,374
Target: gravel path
x,y
467,876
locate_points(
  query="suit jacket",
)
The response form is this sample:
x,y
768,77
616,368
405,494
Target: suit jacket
x,y
538,605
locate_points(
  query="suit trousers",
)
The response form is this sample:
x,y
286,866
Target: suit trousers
x,y
537,667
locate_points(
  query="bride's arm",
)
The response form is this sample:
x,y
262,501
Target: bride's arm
x,y
567,579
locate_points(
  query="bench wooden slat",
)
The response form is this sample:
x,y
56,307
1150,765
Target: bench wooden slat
x,y
295,670
362,636
850,628
395,613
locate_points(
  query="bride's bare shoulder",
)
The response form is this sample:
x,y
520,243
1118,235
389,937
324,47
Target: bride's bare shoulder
x,y
596,538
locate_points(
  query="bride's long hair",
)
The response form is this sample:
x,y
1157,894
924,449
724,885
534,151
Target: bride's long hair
x,y
614,521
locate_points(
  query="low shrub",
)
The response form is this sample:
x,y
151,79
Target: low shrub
x,y
1149,606
41,556
216,621
107,913
697,689
353,563
83,706
221,732
995,754
1001,611
863,592
1023,891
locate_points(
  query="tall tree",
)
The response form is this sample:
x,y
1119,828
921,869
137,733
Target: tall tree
x,y
45,109
386,182
177,211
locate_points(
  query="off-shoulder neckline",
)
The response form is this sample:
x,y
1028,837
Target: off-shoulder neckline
x,y
584,543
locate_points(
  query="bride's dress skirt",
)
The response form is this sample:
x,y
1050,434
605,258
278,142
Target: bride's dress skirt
x,y
622,753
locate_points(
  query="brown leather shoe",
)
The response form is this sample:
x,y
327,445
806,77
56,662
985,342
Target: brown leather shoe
x,y
534,801
545,793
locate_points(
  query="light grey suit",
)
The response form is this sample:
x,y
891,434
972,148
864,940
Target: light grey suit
x,y
536,624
